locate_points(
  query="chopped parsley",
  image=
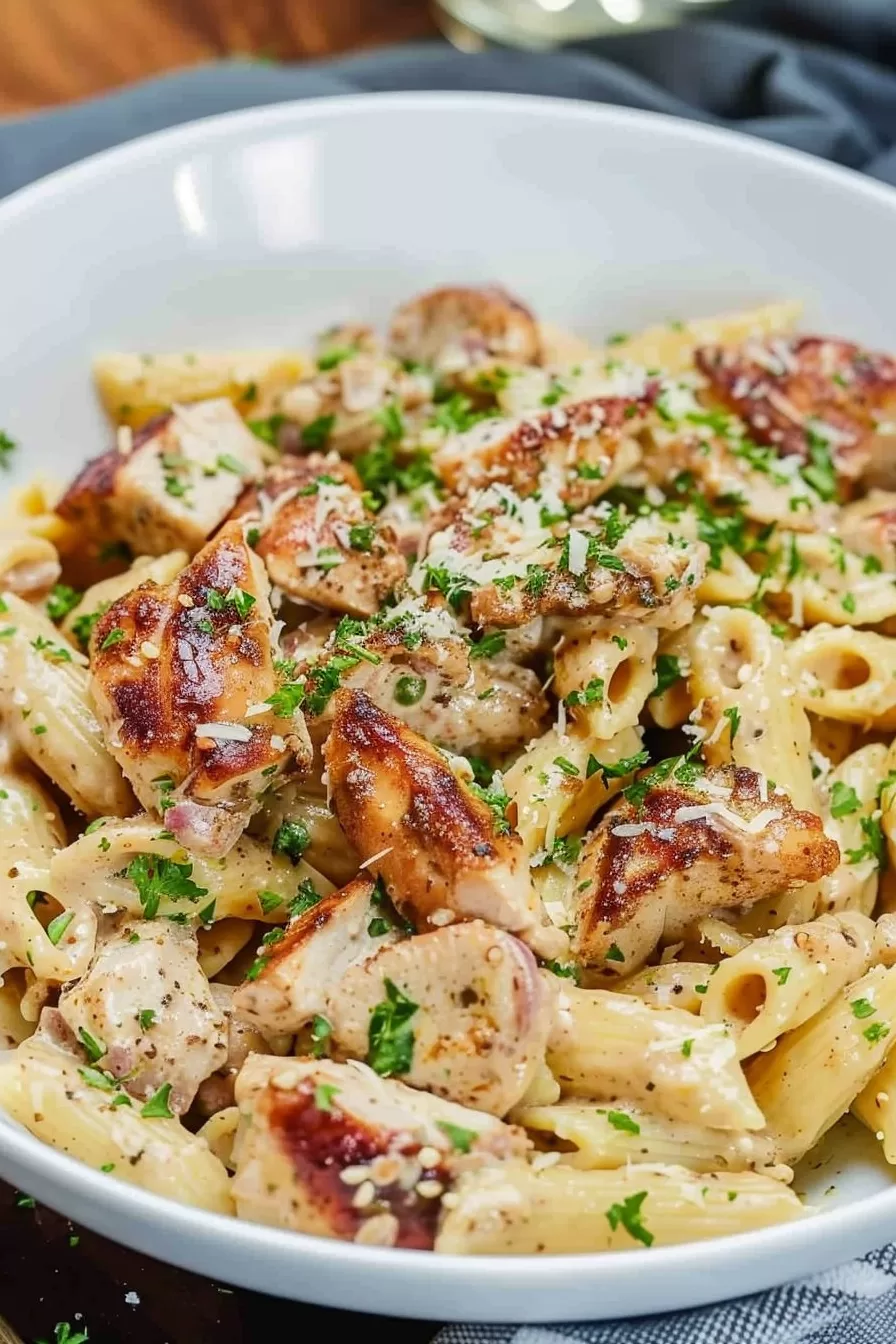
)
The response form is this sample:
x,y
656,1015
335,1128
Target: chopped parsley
x,y
157,1107
268,429
286,699
461,1139
732,714
360,536
781,974
497,802
687,1046
380,471
61,600
321,1031
115,636
567,970
844,800
615,953
390,1036
7,448
317,433
876,1032
146,1017
323,1096
335,356
628,1215
626,765
668,671
155,877
566,766
291,838
874,846
489,645
821,473
592,694
98,1078
57,927
95,1049
862,1008
619,1120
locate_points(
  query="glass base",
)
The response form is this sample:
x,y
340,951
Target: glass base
x,y
539,25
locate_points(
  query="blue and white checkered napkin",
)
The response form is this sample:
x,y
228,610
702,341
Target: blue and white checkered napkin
x,y
854,1304
836,100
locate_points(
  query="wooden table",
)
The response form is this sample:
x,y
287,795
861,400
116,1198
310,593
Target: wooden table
x,y
52,51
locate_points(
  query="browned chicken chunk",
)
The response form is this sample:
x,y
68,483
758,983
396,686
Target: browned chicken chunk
x,y
419,667
805,395
456,327
216,1093
297,975
441,852
480,1018
347,406
581,448
320,543
145,1012
184,683
337,1151
655,864
170,484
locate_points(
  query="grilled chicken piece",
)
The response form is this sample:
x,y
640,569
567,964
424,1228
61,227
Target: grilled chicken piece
x,y
170,484
580,449
344,407
721,842
175,671
608,565
481,1018
800,393
148,1010
243,1039
299,972
319,542
457,327
420,668
439,849
335,1150
868,527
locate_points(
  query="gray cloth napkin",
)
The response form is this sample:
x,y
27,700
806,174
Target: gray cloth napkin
x,y
819,75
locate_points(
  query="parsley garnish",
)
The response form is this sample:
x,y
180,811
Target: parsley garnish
x,y
57,927
155,877
360,536
489,645
876,1032
820,474
628,1215
306,899
286,699
146,1017
844,800
391,1037
268,429
732,714
62,600
592,694
862,1008
567,970
619,1120
687,1046
874,846
323,1096
498,803
627,765
115,636
321,1031
157,1107
95,1049
7,448
291,838
781,974
461,1139
615,953
668,671
335,356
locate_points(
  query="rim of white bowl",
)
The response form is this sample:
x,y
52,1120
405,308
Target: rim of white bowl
x,y
818,1232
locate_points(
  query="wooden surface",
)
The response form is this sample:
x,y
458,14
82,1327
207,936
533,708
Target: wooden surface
x,y
45,1280
52,51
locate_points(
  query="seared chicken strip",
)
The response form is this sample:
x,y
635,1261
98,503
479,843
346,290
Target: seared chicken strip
x,y
145,1013
185,688
170,484
579,450
455,328
335,1150
345,406
813,398
605,563
439,849
318,540
480,1019
691,844
418,666
294,979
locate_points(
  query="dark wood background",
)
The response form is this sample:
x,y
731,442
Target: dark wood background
x,y
51,52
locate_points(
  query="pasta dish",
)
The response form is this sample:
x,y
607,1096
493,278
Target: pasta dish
x,y
448,780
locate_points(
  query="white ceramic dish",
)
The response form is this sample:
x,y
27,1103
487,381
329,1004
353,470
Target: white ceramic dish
x,y
258,228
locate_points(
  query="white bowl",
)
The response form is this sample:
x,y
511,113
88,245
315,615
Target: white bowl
x,y
258,228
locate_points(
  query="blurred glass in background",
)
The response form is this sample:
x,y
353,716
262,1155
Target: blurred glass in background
x,y
540,24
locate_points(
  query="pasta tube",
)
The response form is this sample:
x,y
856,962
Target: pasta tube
x,y
517,1210
846,674
814,1074
607,1046
46,1091
778,982
604,1139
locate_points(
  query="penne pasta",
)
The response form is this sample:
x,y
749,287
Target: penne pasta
x,y
815,1073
